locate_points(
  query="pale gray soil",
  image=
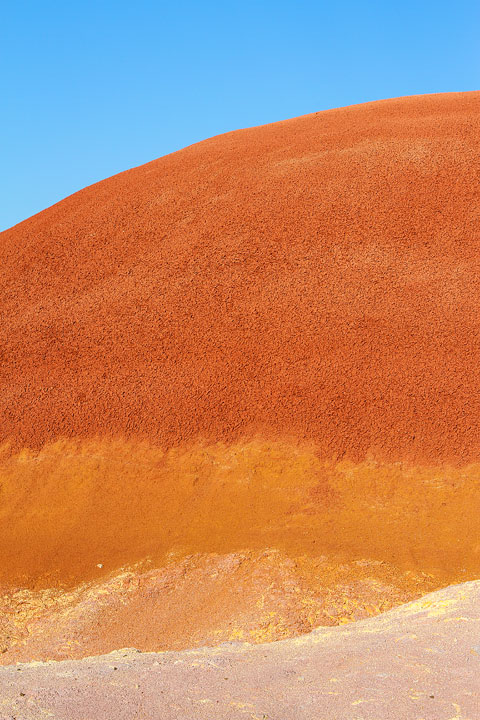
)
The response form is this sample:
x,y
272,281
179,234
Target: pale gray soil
x,y
418,662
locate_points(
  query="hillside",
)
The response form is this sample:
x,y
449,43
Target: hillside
x,y
240,386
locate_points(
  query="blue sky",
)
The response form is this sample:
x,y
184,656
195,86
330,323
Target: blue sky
x,y
88,89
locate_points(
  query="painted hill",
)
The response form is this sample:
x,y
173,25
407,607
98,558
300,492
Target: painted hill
x,y
252,361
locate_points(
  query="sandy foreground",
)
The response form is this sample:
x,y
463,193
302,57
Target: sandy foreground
x,y
421,661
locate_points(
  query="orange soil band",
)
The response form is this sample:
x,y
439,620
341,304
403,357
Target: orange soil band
x,y
74,506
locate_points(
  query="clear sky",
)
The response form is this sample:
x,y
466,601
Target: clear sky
x,y
90,88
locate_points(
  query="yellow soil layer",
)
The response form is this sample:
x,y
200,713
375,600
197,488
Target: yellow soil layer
x,y
199,600
72,506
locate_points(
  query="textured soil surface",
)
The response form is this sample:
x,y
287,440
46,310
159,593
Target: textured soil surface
x,y
420,661
316,277
201,600
239,400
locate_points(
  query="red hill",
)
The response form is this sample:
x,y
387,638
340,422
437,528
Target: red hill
x,y
316,278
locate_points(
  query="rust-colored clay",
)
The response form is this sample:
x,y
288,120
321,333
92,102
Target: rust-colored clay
x,y
317,278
